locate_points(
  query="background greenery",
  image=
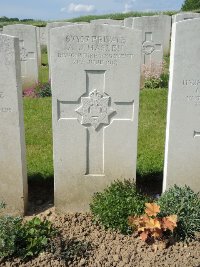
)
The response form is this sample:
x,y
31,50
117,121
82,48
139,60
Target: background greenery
x,y
191,5
119,16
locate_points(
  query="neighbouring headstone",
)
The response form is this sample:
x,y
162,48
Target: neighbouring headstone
x,y
156,35
39,47
95,86
184,16
81,22
108,22
43,37
13,175
28,51
182,149
50,26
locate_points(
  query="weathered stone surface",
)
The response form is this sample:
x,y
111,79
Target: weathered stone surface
x,y
184,16
43,37
38,47
50,26
128,22
107,21
182,147
28,51
13,175
156,35
95,85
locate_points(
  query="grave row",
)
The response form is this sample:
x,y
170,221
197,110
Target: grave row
x,y
156,34
95,81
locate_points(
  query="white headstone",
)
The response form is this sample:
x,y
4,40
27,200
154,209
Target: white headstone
x,y
107,21
43,37
28,51
156,35
184,16
50,26
39,47
13,175
95,85
81,22
182,149
128,22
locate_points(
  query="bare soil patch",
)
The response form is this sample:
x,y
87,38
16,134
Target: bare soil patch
x,y
81,242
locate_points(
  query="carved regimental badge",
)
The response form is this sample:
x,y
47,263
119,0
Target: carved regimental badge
x,y
148,47
95,109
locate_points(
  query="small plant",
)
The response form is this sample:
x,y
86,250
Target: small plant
x,y
152,227
43,90
23,239
39,90
9,230
185,203
33,237
30,92
116,203
154,76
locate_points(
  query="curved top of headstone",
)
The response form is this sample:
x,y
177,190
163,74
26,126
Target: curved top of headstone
x,y
129,22
107,21
57,24
20,26
184,16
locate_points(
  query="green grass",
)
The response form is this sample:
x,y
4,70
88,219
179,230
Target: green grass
x,y
38,130
44,58
43,74
44,68
151,134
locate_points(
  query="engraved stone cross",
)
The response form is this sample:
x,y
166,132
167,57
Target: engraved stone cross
x,y
95,110
148,47
196,134
24,56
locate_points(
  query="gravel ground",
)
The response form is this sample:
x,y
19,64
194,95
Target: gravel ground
x,y
83,243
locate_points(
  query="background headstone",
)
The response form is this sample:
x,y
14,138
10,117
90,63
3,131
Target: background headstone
x,y
128,22
184,16
95,86
156,35
13,174
43,37
107,21
50,26
182,149
81,22
28,51
38,46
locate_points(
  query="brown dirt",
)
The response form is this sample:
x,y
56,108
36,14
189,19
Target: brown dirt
x,y
83,243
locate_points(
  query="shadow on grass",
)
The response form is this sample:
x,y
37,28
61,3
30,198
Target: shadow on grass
x,y
41,190
40,193
150,184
